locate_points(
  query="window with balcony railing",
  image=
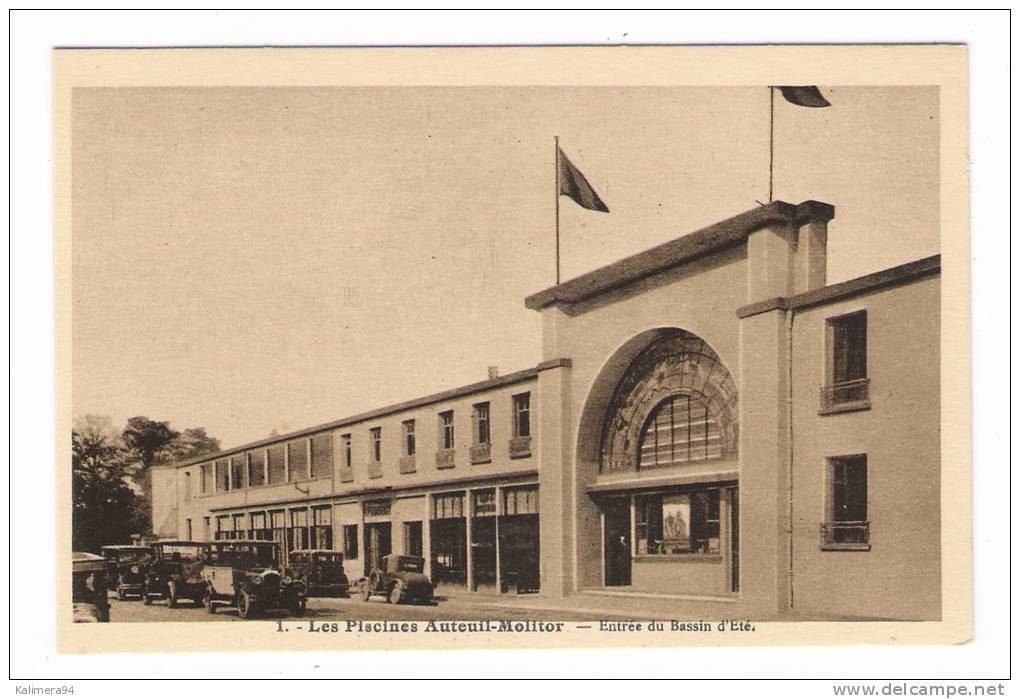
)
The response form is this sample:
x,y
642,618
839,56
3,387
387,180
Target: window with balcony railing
x,y
847,364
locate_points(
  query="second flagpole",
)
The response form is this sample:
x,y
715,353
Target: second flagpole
x,y
556,144
772,130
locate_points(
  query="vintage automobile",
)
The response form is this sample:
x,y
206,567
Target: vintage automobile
x,y
400,579
247,575
126,567
88,588
175,573
321,571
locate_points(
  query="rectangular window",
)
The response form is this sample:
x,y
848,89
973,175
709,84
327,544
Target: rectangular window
x,y
322,455
346,465
446,436
351,542
481,420
448,506
413,539
522,415
375,452
223,527
376,443
256,468
277,464
520,501
207,478
297,535
847,371
187,486
297,458
847,525
206,526
278,526
187,529
223,475
238,527
237,469
408,437
668,524
322,528
258,528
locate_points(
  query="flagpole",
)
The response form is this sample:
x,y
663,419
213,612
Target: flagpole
x,y
772,119
556,143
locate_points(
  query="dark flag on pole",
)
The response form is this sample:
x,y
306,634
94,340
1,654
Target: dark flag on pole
x,y
803,95
574,185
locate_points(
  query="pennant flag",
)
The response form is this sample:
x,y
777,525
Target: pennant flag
x,y
803,95
574,185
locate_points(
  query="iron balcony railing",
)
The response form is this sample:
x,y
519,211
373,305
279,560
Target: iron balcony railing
x,y
845,394
848,534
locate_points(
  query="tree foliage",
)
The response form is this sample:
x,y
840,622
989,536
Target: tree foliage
x,y
104,503
112,481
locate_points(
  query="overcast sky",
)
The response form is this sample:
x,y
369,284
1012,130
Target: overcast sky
x,y
255,259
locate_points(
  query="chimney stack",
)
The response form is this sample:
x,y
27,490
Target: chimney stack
x,y
493,372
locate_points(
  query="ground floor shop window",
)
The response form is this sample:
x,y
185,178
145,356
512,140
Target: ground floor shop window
x,y
668,524
322,528
449,539
297,535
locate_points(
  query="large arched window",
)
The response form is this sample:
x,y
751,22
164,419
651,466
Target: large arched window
x,y
675,405
679,431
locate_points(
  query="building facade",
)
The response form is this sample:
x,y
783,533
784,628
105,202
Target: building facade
x,y
711,425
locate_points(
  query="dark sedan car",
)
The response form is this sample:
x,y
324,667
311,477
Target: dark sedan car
x,y
126,568
401,579
321,571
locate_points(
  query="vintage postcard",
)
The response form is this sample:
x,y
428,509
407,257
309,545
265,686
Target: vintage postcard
x,y
512,347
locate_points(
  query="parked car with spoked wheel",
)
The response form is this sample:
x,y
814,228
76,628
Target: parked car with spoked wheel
x,y
126,567
175,573
247,575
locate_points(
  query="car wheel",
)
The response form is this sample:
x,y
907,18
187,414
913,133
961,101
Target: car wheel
x,y
207,602
366,592
171,595
245,606
396,595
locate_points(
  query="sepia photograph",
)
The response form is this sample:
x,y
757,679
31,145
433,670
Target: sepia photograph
x,y
415,348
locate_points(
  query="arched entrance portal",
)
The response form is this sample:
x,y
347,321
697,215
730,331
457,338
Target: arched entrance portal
x,y
658,449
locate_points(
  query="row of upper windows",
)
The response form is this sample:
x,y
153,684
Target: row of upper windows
x,y
480,427
313,458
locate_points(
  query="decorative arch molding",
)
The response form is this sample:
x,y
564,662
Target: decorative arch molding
x,y
676,363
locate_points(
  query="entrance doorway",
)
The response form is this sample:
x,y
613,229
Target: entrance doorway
x,y
519,553
616,541
734,541
377,544
412,538
483,552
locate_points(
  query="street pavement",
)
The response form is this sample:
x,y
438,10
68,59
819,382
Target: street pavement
x,y
331,608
